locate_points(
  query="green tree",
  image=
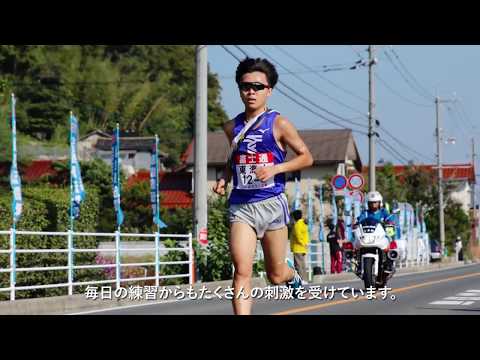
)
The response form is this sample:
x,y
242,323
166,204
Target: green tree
x,y
214,262
457,223
148,89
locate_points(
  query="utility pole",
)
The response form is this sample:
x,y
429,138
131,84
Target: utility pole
x,y
474,210
201,133
371,122
440,177
441,216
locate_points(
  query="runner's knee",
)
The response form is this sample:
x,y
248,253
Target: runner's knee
x,y
277,276
243,272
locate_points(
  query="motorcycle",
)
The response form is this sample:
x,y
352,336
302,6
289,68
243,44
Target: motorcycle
x,y
372,254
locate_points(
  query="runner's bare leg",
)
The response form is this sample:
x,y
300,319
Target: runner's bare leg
x,y
243,244
275,245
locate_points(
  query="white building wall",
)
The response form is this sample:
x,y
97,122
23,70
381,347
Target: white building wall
x,y
463,195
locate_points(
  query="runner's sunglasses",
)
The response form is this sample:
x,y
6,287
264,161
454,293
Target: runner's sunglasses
x,y
245,86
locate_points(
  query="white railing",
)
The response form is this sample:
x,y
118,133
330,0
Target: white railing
x,y
318,256
71,267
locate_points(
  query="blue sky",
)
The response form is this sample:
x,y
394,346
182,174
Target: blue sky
x,y
407,112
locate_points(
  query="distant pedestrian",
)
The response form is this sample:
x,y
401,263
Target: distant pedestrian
x,y
459,249
336,255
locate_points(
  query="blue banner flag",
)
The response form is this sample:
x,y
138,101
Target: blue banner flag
x,y
154,185
77,191
297,204
116,175
357,209
321,236
334,209
348,216
15,181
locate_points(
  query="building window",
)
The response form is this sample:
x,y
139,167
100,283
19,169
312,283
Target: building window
x,y
131,156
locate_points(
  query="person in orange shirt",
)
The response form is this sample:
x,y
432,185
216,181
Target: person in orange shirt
x,y
299,244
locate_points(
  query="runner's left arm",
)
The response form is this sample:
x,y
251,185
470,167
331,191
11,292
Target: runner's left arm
x,y
286,134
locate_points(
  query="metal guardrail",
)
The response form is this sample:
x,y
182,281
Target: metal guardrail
x,y
70,251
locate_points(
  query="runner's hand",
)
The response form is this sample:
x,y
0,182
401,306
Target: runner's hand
x,y
266,173
220,187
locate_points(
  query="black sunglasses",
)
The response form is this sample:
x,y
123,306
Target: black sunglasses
x,y
255,86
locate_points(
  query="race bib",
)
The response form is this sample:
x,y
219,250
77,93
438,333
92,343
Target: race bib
x,y
247,165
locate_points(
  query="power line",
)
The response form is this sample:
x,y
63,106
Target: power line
x,y
389,58
454,116
413,151
313,87
397,93
405,146
393,152
381,141
285,52
461,106
384,145
299,103
280,73
310,101
357,52
429,95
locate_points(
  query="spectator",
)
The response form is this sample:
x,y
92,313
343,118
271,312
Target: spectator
x,y
333,239
299,244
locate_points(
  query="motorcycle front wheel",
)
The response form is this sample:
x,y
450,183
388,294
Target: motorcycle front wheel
x,y
369,277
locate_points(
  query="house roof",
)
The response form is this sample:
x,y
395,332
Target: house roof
x,y
96,132
326,146
175,188
31,172
451,172
143,144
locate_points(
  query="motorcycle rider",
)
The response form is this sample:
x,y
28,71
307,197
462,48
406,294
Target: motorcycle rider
x,y
377,212
375,209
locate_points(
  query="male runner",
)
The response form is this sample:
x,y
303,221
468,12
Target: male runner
x,y
259,138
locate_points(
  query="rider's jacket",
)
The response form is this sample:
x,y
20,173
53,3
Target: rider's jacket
x,y
382,216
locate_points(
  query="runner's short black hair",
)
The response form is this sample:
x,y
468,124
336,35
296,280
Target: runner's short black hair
x,y
250,65
297,215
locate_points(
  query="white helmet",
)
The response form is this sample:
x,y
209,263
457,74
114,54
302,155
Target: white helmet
x,y
375,196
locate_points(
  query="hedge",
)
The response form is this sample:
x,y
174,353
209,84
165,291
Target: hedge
x,y
46,209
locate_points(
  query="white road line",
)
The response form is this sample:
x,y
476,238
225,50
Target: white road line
x,y
473,291
467,294
451,303
463,298
120,308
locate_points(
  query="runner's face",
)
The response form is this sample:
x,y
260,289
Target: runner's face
x,y
255,100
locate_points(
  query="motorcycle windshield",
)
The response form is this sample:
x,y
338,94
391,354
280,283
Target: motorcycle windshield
x,y
369,222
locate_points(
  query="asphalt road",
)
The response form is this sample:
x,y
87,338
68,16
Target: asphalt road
x,y
442,292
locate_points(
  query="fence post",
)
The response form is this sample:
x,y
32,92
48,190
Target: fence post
x,y
70,263
191,260
13,263
118,260
157,259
